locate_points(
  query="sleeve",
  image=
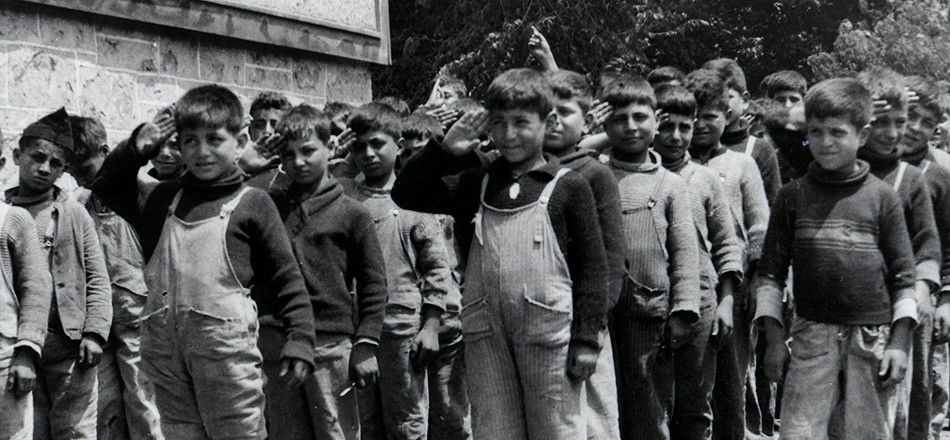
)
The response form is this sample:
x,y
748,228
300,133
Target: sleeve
x,y
586,261
941,203
276,267
755,208
429,181
683,249
898,256
607,197
775,261
767,161
98,288
118,185
726,249
31,281
370,275
432,263
919,215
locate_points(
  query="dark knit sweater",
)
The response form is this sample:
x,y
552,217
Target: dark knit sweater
x,y
845,233
764,156
426,185
258,247
918,211
938,186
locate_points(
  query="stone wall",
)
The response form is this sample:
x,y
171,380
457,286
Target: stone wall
x,y
122,71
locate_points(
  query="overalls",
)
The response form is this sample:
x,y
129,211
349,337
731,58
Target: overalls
x,y
17,420
516,319
200,333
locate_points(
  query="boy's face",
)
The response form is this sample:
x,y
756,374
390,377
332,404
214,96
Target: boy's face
x,y
834,142
209,152
673,137
168,163
710,123
305,160
942,135
565,125
737,105
788,98
85,173
264,121
412,145
375,153
887,131
41,164
631,129
518,133
921,125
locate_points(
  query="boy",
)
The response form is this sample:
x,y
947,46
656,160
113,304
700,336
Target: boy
x,y
266,111
206,239
81,310
167,164
535,279
126,402
745,197
417,130
659,299
666,75
882,152
572,100
24,313
418,279
854,312
335,243
923,123
786,87
720,266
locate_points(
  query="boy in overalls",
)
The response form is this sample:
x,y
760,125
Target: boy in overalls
x,y
535,280
207,238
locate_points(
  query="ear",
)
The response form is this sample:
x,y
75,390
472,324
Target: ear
x,y
104,150
745,100
16,156
864,134
728,114
242,140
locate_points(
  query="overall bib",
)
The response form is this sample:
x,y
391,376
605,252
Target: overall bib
x,y
516,319
200,327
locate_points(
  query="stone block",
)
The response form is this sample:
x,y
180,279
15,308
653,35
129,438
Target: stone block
x,y
310,77
221,64
69,32
109,96
178,57
157,89
264,78
41,77
14,120
267,56
125,53
349,83
4,76
146,111
18,23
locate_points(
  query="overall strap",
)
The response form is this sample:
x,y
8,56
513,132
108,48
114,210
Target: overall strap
x,y
232,204
750,145
900,175
926,165
174,206
481,197
549,188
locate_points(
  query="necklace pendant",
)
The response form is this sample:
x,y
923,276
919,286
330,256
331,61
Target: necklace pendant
x,y
514,190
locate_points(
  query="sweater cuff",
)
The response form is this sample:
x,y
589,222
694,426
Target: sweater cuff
x,y
768,303
929,271
29,345
905,308
587,333
298,349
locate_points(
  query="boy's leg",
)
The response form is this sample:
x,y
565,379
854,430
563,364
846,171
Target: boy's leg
x,y
865,405
334,417
285,408
641,357
729,387
694,374
111,411
765,391
141,414
17,420
812,385
449,409
404,407
918,422
601,412
941,390
71,389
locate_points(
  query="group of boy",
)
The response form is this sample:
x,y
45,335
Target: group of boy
x,y
479,272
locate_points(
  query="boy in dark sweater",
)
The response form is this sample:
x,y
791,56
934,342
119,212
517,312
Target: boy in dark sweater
x,y
536,276
572,100
335,242
81,311
851,334
720,266
787,87
207,240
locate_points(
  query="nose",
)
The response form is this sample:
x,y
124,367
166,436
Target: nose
x,y
44,167
268,128
677,136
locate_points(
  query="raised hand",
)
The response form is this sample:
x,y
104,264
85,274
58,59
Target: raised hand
x,y
540,49
598,114
155,133
462,138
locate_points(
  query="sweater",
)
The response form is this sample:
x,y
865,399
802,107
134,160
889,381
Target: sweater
x,y
670,222
335,242
917,208
938,186
845,233
26,275
764,155
436,182
744,193
720,252
257,245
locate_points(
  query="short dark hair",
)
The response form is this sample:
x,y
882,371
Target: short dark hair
x,y
268,101
336,108
730,72
421,125
89,135
303,121
665,74
397,104
839,98
783,81
708,88
927,93
885,84
676,100
375,116
520,89
567,84
943,96
627,90
210,105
